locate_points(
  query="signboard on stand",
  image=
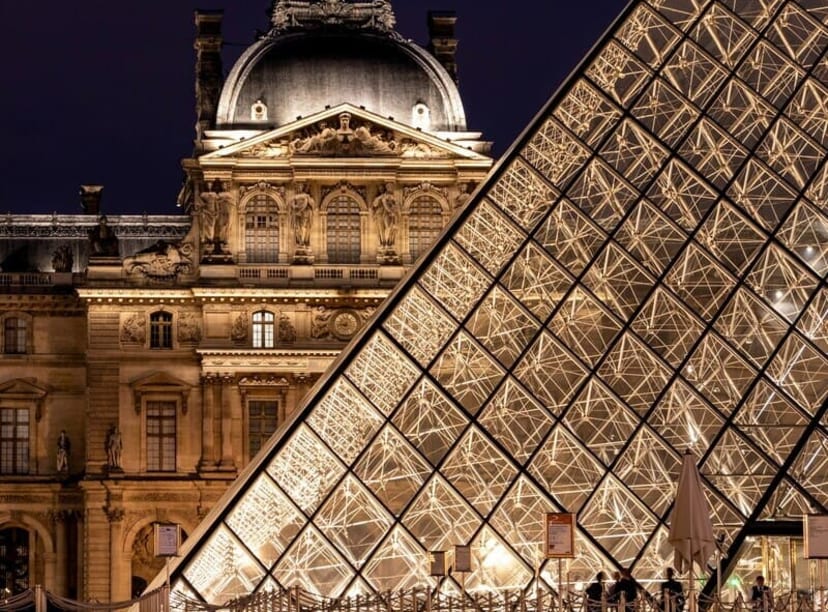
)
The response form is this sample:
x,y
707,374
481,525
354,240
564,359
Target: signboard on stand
x,y
559,535
816,536
167,538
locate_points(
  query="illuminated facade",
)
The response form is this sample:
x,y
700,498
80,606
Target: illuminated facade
x,y
644,274
146,359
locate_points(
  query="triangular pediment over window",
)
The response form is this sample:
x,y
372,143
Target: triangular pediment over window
x,y
24,390
344,131
160,383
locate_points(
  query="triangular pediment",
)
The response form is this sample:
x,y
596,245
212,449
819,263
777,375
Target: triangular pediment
x,y
22,389
160,380
344,131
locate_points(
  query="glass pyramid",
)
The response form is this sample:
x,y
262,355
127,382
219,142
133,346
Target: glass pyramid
x,y
644,273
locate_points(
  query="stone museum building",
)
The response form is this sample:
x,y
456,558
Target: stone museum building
x,y
642,277
145,360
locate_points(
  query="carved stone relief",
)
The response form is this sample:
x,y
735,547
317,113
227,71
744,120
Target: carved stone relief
x,y
189,328
163,261
134,329
338,323
286,331
239,330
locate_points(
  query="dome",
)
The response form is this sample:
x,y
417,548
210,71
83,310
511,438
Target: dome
x,y
297,73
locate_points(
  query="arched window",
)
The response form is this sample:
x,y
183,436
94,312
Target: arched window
x,y
14,335
14,560
425,222
343,225
264,329
161,330
261,230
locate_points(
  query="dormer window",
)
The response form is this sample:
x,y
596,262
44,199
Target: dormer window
x,y
258,112
421,117
264,329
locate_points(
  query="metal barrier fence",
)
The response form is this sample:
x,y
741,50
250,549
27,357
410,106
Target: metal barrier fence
x,y
295,599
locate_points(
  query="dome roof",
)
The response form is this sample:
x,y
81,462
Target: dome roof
x,y
297,73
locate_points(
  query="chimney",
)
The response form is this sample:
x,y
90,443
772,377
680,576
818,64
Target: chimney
x,y
90,196
208,73
442,42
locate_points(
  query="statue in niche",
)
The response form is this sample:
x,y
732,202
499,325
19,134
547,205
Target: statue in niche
x,y
64,446
301,215
114,447
102,240
62,258
387,215
215,207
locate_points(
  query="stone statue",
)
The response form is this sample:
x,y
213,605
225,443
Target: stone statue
x,y
215,216
62,258
63,448
114,446
463,196
301,212
387,216
102,240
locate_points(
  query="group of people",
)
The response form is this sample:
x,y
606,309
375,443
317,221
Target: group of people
x,y
624,591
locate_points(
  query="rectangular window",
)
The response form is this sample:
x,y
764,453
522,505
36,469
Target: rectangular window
x,y
161,330
161,436
14,440
263,417
14,336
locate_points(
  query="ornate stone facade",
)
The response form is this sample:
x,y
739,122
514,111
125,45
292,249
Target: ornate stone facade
x,y
195,336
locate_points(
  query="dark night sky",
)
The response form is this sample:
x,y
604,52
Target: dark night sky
x,y
101,91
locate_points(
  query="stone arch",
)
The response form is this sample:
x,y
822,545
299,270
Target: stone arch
x,y
26,521
430,192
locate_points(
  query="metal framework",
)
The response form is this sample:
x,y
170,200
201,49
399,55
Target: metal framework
x,y
644,273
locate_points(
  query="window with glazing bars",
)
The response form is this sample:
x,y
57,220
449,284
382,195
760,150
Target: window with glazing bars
x,y
14,440
264,329
262,419
14,335
161,436
343,230
425,222
161,330
261,230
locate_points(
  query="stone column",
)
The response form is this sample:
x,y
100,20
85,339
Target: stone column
x,y
117,575
225,393
59,519
208,416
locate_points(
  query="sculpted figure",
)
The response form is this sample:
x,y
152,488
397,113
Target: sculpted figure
x,y
215,215
301,215
62,258
387,216
114,446
102,240
63,448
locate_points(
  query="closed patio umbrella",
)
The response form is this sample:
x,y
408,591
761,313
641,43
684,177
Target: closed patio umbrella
x,y
691,528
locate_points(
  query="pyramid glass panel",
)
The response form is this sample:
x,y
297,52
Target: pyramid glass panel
x,y
644,273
